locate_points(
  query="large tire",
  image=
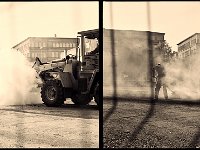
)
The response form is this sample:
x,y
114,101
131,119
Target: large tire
x,y
96,94
52,93
81,99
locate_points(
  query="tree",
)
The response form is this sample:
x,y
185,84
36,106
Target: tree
x,y
165,51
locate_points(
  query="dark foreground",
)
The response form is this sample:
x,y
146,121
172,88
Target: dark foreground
x,y
139,123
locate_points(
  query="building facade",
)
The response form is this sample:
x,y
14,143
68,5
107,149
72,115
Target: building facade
x,y
128,52
46,48
189,46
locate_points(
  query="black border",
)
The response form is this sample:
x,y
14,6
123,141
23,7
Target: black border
x,y
101,74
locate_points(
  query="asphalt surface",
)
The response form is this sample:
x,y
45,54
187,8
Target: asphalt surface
x,y
38,126
138,123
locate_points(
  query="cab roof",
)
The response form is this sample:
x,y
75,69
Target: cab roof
x,y
90,34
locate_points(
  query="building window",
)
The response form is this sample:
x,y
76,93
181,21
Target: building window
x,y
187,53
40,55
67,44
32,44
50,44
61,45
74,45
52,54
54,44
40,44
44,44
56,54
57,44
64,45
33,55
44,55
36,44
188,45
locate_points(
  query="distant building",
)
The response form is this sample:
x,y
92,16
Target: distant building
x,y
189,46
46,48
131,50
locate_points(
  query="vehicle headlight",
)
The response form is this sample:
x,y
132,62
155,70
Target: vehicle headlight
x,y
55,75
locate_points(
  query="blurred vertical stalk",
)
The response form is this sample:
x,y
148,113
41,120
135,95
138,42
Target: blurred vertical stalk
x,y
150,51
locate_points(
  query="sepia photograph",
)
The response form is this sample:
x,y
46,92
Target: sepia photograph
x,y
151,82
49,74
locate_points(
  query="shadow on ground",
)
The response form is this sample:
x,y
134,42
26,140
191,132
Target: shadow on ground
x,y
66,110
150,113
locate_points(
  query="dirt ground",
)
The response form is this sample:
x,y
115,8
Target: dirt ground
x,y
38,126
137,123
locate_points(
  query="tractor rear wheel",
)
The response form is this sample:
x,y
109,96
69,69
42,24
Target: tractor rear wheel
x,y
96,94
52,93
81,99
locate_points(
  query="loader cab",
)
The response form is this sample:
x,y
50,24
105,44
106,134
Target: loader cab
x,y
88,54
89,45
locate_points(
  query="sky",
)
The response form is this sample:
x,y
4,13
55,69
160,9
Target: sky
x,y
178,20
20,20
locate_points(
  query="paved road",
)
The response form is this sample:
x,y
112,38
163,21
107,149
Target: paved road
x,y
35,125
163,124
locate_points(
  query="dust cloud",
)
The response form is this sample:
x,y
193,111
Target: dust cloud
x,y
183,77
131,64
133,77
17,79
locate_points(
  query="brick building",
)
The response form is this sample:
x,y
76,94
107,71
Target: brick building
x,y
189,46
130,49
46,48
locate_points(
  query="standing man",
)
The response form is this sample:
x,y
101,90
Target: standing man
x,y
159,73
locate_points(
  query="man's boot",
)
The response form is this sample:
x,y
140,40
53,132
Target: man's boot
x,y
156,94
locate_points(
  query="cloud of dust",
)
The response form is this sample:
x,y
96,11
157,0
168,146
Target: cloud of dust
x,y
17,79
132,68
131,58
183,78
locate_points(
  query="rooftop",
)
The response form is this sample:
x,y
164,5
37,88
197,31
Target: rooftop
x,y
187,38
41,38
132,30
91,34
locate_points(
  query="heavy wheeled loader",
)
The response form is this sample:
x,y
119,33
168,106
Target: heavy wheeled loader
x,y
75,76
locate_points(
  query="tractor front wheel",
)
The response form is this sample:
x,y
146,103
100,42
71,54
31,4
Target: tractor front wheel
x,y
52,93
